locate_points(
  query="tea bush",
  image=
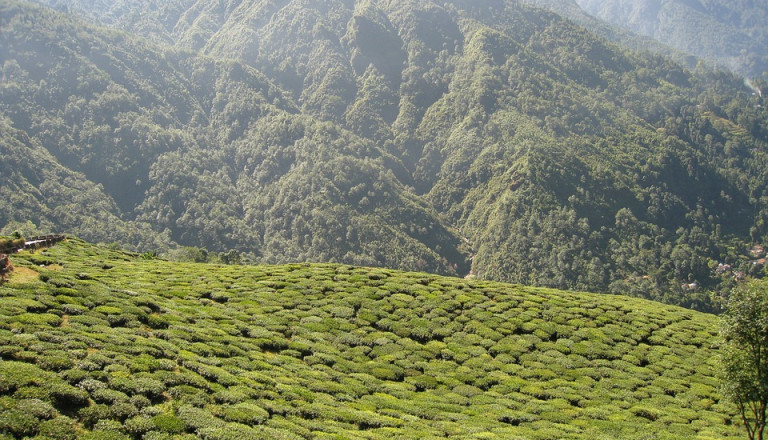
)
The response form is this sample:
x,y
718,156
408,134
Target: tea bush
x,y
333,351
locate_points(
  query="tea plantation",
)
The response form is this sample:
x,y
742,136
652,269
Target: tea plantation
x,y
100,344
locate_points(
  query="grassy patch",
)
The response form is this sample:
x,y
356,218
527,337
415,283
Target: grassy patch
x,y
22,275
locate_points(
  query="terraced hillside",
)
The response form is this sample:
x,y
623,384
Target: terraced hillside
x,y
98,343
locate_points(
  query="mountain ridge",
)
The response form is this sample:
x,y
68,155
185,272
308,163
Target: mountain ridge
x,y
729,34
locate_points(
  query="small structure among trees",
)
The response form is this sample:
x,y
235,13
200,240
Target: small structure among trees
x,y
10,245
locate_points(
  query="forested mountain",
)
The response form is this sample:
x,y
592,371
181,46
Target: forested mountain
x,y
730,33
35,187
409,134
209,152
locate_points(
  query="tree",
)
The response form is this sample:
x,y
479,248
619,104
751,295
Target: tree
x,y
745,354
5,266
189,254
231,257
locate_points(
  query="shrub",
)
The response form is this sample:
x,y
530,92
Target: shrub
x,y
58,281
36,408
189,394
384,371
139,401
108,310
14,375
91,385
230,431
32,392
476,376
122,410
151,411
107,395
59,428
90,415
107,425
67,398
122,320
74,376
73,309
18,423
645,412
196,418
246,413
214,373
157,435
169,423
9,351
138,426
230,395
467,390
162,364
422,382
151,388
104,435
88,320
157,321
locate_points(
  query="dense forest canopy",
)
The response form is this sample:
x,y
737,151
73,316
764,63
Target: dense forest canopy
x,y
456,137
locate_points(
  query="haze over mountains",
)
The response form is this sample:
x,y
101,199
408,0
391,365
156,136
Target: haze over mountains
x,y
728,35
446,136
731,34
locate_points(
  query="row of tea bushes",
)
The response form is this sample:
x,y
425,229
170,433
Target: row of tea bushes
x,y
97,343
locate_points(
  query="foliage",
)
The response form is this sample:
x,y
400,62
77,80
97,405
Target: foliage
x,y
502,141
745,366
329,350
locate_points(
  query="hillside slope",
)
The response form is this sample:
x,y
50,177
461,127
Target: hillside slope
x,y
415,135
97,343
210,153
37,188
729,33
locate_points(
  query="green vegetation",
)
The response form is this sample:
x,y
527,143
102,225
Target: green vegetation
x,y
745,367
439,136
10,244
729,33
99,343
